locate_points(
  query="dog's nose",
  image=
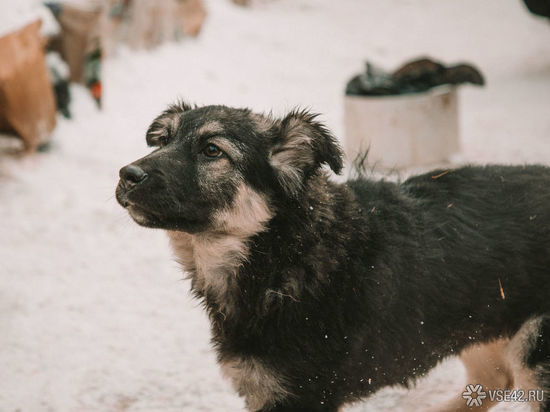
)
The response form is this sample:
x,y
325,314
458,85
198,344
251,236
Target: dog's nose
x,y
132,175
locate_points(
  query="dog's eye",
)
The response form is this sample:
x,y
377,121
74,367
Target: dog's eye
x,y
211,150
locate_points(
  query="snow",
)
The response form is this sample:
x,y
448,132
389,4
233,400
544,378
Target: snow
x,y
14,15
94,314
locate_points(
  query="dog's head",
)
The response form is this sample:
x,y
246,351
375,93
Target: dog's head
x,y
217,168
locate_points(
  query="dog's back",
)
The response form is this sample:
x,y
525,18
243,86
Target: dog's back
x,y
463,255
489,227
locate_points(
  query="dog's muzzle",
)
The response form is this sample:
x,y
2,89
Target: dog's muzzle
x,y
130,177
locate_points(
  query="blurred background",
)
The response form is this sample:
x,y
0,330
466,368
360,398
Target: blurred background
x,y
94,313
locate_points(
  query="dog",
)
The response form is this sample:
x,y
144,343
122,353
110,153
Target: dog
x,y
320,293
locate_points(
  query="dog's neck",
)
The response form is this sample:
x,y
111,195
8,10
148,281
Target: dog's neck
x,y
212,258
212,261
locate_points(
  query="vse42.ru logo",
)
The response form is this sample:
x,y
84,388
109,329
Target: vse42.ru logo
x,y
474,395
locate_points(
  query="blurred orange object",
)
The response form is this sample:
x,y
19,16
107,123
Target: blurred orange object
x,y
27,103
95,89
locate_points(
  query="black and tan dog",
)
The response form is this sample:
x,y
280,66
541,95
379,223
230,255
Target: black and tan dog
x,y
321,293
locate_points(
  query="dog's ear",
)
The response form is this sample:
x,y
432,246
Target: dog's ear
x,y
302,146
165,125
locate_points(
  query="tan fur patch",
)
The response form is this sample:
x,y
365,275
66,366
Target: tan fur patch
x,y
213,257
296,149
167,127
290,157
259,385
217,259
182,246
212,127
246,216
211,260
488,365
289,176
263,122
497,365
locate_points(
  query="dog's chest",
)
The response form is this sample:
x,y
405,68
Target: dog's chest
x,y
212,261
213,264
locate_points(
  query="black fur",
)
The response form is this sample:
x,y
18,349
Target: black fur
x,y
355,286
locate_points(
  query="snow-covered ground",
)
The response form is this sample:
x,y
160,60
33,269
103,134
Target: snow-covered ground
x,y
94,314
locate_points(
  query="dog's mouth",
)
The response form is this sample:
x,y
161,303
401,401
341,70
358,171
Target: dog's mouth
x,y
142,216
139,213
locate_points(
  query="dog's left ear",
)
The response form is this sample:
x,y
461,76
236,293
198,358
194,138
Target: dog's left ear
x,y
165,124
302,146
